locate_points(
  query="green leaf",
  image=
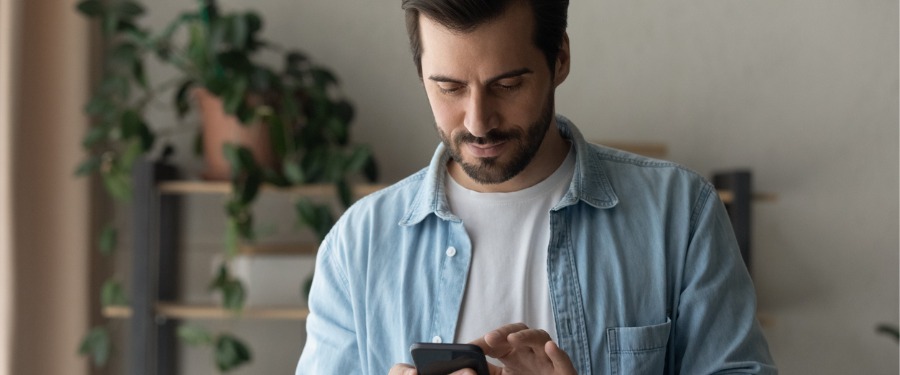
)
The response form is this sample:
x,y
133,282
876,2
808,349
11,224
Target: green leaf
x,y
294,60
317,217
93,136
278,134
239,32
221,278
197,42
90,165
146,137
306,212
345,192
182,104
232,289
115,86
233,295
118,185
262,79
130,122
323,77
230,352
129,9
248,189
344,111
108,239
91,8
245,113
371,170
232,238
110,24
358,159
137,69
132,152
97,345
231,152
112,294
197,146
293,171
194,335
338,130
307,286
234,96
97,106
125,54
254,22
889,330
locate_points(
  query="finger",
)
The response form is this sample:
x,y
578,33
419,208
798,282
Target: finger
x,y
561,361
530,337
530,341
495,343
403,369
465,371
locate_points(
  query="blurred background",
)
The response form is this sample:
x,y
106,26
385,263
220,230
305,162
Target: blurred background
x,y
804,94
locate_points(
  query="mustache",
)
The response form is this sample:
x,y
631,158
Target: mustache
x,y
493,136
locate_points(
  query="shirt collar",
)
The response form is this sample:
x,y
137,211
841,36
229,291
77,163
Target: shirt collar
x,y
590,182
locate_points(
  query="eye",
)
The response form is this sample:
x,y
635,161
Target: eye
x,y
509,85
449,89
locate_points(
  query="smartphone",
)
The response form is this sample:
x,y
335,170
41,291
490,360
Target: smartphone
x,y
442,359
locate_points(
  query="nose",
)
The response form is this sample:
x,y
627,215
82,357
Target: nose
x,y
480,114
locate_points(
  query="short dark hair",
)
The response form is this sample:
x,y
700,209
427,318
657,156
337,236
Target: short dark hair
x,y
550,18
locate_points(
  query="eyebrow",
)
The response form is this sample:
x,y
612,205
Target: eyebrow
x,y
509,74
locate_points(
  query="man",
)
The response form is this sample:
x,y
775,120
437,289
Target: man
x,y
554,255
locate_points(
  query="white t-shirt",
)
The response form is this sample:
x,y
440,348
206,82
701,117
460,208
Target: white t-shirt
x,y
510,233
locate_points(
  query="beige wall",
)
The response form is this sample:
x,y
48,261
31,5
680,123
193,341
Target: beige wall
x,y
48,216
805,93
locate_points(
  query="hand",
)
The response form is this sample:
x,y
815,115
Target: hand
x,y
405,369
525,351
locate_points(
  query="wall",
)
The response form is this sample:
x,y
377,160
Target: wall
x,y
805,93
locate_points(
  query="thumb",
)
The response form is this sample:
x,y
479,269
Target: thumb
x,y
561,361
403,369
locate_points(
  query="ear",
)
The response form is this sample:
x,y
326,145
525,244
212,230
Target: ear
x,y
563,59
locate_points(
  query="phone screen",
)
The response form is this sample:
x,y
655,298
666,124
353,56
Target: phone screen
x,y
442,359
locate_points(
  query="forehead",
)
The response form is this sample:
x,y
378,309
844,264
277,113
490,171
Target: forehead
x,y
500,44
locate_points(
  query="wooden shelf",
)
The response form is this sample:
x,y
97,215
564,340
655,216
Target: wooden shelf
x,y
278,249
179,311
224,187
727,196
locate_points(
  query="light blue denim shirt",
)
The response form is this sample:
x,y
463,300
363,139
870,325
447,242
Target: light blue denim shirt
x,y
644,270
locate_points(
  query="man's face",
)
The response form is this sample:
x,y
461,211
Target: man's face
x,y
491,93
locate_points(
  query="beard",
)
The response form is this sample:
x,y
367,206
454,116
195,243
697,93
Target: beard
x,y
493,170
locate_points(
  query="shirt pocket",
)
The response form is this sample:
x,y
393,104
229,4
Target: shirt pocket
x,y
638,350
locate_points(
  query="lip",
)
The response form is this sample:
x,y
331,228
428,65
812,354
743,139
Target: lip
x,y
486,150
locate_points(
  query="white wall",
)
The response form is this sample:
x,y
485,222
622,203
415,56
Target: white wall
x,y
805,93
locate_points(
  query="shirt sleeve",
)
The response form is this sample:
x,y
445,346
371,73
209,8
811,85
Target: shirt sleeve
x,y
331,340
716,329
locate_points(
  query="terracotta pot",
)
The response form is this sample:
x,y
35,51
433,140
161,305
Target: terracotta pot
x,y
220,128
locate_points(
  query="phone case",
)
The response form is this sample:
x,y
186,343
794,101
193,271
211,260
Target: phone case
x,y
442,359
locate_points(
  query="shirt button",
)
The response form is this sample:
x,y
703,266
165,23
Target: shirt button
x,y
451,251
436,339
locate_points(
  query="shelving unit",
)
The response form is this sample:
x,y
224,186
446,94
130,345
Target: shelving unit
x,y
155,309
180,311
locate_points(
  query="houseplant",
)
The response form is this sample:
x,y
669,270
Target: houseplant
x,y
304,118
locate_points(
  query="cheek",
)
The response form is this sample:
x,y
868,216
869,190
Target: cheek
x,y
445,112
